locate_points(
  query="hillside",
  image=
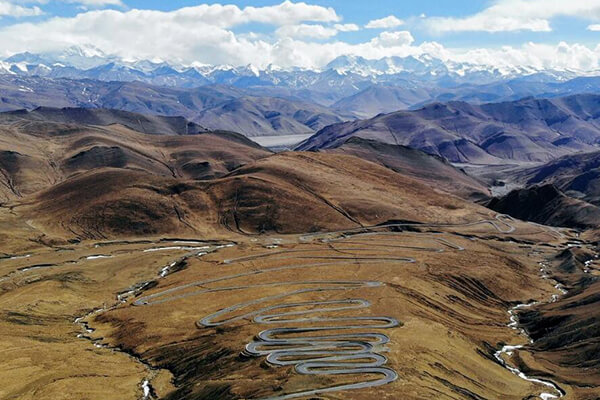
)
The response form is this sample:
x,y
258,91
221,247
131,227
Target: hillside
x,y
578,175
377,99
431,170
528,130
218,107
149,124
267,116
283,193
548,206
35,155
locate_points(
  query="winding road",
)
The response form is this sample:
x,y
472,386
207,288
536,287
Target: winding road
x,y
354,353
352,345
312,340
331,337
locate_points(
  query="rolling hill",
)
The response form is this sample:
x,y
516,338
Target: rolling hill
x,y
578,175
267,116
218,107
36,154
431,170
150,124
84,172
377,99
273,194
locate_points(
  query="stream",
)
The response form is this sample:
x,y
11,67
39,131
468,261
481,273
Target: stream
x,y
507,351
146,388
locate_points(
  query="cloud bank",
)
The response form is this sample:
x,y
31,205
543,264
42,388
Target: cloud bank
x,y
517,15
294,35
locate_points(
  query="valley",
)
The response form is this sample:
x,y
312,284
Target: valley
x,y
177,262
401,300
392,284
312,200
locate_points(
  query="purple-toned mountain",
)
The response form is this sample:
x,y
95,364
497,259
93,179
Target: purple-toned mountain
x,y
527,130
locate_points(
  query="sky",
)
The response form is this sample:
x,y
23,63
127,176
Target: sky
x,y
550,34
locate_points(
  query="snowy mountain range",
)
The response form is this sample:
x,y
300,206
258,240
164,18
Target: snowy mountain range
x,y
347,74
271,100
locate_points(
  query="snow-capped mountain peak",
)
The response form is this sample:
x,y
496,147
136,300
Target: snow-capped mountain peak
x,y
348,73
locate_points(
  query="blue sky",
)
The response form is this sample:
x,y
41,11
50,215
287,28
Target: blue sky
x,y
360,12
307,34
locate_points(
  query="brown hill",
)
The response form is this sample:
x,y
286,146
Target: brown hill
x,y
267,116
431,170
566,332
283,193
578,175
37,155
150,124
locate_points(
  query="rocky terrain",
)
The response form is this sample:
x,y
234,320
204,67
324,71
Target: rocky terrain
x,y
576,175
547,205
267,117
432,170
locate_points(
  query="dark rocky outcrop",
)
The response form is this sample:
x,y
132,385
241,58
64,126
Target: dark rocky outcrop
x,y
547,205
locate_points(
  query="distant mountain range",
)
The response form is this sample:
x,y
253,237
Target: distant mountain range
x,y
348,70
527,130
417,79
278,102
345,71
215,107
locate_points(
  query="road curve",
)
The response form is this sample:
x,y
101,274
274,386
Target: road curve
x,y
500,219
313,341
353,353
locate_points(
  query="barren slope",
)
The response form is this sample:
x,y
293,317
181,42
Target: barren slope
x,y
524,130
578,175
289,192
150,124
547,205
431,170
266,116
36,154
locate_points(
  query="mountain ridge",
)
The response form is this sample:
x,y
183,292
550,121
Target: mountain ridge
x,y
527,130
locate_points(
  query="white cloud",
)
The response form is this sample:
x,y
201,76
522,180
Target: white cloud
x,y
540,56
96,3
517,15
347,27
202,34
306,31
10,9
392,39
185,35
594,27
286,13
384,23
